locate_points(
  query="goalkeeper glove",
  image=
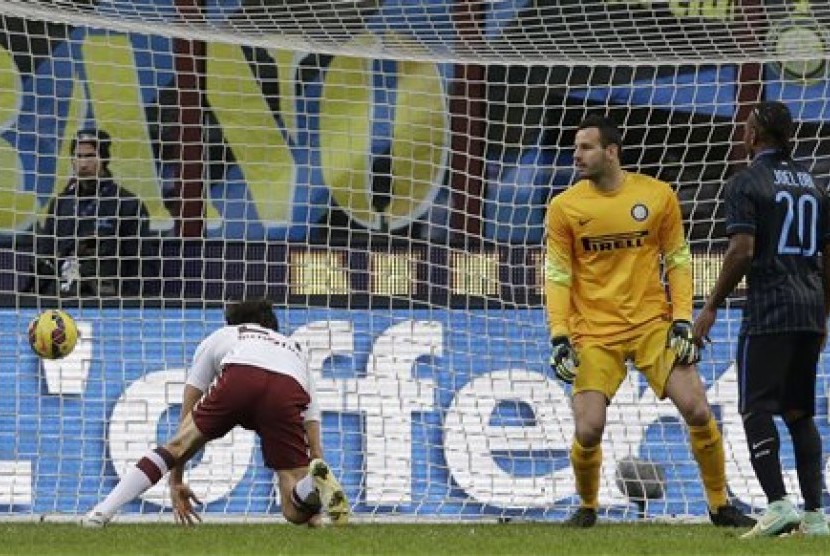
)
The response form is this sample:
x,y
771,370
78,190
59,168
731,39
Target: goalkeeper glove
x,y
683,343
563,359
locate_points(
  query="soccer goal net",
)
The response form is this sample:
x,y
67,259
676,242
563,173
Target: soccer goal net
x,y
380,169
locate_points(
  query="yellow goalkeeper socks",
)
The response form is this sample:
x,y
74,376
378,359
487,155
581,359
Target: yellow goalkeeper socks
x,y
586,463
707,447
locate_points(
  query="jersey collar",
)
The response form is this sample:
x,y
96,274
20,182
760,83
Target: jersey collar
x,y
765,152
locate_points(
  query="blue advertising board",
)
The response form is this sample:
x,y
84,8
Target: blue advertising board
x,y
435,413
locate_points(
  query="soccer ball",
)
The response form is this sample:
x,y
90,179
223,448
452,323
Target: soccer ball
x,y
53,334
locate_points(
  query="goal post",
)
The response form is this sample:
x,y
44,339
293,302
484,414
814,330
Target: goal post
x,y
381,171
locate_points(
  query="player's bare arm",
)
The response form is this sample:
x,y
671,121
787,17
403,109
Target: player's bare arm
x,y
736,263
190,397
181,496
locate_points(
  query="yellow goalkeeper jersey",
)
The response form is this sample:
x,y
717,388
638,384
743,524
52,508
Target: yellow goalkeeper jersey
x,y
603,259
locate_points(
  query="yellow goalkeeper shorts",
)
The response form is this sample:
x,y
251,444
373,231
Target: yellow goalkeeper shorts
x,y
602,366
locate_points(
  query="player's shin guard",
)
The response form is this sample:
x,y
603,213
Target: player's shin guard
x,y
586,464
707,447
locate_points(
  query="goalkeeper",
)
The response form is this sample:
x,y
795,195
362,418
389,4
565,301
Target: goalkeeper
x,y
606,304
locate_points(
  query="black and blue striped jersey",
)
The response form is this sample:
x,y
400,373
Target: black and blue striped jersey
x,y
779,202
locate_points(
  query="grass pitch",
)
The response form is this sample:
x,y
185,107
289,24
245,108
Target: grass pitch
x,y
480,539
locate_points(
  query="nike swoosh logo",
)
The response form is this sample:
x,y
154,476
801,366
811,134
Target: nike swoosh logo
x,y
767,526
761,443
585,221
763,527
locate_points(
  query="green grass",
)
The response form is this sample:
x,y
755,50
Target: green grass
x,y
514,538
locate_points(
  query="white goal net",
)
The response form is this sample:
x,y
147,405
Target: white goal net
x,y
380,169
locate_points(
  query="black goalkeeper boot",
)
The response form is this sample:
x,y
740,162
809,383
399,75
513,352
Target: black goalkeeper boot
x,y
583,517
730,516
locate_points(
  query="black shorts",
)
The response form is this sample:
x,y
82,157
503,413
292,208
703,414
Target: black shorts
x,y
777,372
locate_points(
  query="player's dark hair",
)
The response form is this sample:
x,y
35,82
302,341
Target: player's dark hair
x,y
255,311
775,124
609,132
99,139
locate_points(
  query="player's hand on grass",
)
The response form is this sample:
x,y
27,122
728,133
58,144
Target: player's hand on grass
x,y
563,359
682,341
183,499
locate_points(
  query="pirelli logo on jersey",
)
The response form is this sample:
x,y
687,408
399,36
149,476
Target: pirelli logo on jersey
x,y
625,240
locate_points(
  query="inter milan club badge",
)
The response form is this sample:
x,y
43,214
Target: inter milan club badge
x,y
639,212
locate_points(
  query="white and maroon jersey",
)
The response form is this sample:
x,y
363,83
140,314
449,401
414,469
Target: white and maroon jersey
x,y
250,344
